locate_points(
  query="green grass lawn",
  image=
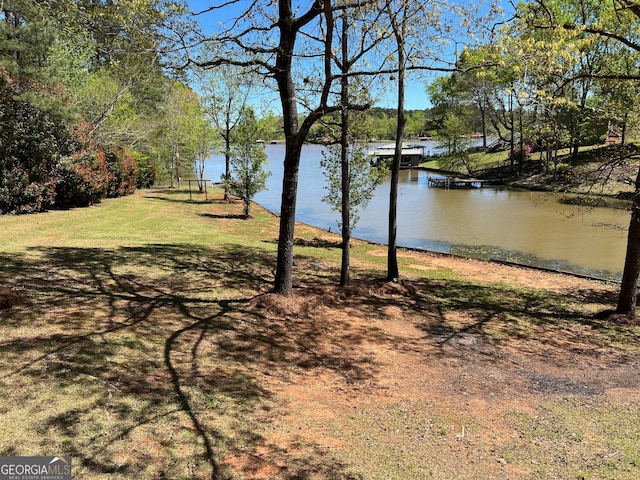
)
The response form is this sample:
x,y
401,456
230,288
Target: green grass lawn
x,y
146,348
488,160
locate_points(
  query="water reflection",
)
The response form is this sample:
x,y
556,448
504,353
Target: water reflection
x,y
530,228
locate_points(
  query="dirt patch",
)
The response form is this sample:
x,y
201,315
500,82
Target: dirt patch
x,y
458,373
282,307
10,298
164,361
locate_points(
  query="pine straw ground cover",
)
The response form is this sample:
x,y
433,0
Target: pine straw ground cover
x,y
144,344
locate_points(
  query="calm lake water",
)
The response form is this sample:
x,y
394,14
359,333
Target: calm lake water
x,y
529,228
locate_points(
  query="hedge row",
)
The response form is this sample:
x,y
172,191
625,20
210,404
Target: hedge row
x,y
45,164
78,180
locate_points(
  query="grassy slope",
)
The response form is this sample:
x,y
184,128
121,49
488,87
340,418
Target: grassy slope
x,y
598,172
139,352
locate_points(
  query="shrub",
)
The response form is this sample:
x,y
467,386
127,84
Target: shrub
x,y
517,155
130,171
82,179
123,172
562,169
20,194
86,177
32,139
147,172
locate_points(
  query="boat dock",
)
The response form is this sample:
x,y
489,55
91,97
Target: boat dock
x,y
456,182
412,155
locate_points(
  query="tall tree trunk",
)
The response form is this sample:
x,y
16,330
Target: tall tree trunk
x,y
12,20
579,121
512,126
572,141
178,176
574,146
393,271
345,276
627,298
520,141
227,164
283,283
483,116
294,137
174,166
228,128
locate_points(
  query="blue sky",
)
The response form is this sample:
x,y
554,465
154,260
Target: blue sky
x,y
415,98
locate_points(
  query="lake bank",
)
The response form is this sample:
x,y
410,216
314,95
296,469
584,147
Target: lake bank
x,y
519,226
149,347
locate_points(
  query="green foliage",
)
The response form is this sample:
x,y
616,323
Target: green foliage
x,y
416,123
147,171
19,193
184,135
71,69
462,94
25,41
87,176
363,178
44,165
453,138
248,158
269,124
31,141
380,124
82,179
562,169
123,172
520,154
204,138
556,72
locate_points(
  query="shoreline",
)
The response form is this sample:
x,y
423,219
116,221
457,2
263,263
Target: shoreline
x,y
497,261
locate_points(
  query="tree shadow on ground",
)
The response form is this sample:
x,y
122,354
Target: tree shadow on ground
x,y
316,242
196,201
497,340
226,215
196,197
150,360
